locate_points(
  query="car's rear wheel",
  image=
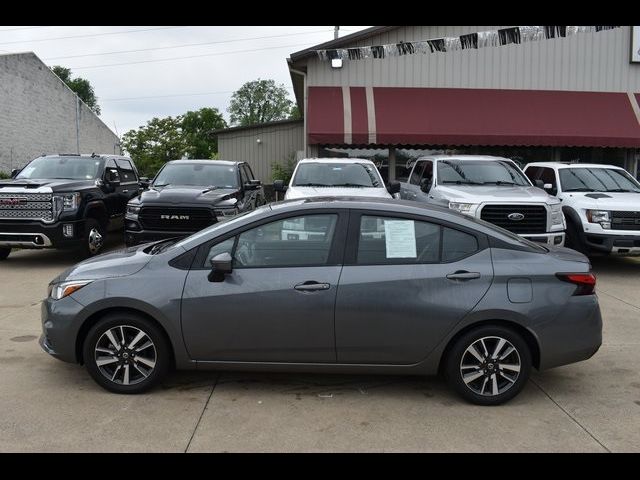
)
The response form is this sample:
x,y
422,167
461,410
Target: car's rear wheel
x,y
4,253
126,353
488,365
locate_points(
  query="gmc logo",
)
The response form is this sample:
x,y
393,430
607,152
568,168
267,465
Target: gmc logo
x,y
13,201
174,217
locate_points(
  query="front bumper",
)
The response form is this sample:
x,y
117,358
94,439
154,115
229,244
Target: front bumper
x,y
555,239
60,328
614,244
36,235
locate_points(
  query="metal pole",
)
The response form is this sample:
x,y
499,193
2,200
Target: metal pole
x,y
336,31
392,163
304,114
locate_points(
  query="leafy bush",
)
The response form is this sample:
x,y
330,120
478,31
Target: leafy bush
x,y
4,175
284,171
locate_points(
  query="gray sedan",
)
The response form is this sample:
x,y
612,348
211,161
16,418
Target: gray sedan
x,y
330,285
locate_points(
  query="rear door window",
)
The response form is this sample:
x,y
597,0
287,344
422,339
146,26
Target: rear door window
x,y
127,173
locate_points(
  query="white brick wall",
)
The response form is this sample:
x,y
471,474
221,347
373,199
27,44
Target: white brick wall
x,y
38,115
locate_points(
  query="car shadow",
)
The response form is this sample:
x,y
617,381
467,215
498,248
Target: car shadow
x,y
616,265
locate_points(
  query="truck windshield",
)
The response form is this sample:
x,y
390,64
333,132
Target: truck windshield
x,y
198,175
71,168
335,174
597,180
480,172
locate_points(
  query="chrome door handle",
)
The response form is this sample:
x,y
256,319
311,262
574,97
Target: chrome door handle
x,y
462,275
125,191
312,286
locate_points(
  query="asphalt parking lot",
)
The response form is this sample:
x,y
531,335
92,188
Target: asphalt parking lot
x,y
47,405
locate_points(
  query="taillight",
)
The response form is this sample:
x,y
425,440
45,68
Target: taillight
x,y
585,282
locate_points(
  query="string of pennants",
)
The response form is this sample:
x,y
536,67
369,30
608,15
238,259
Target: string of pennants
x,y
491,38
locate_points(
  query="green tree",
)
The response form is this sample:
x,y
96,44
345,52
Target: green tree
x,y
196,130
155,143
295,114
259,101
80,86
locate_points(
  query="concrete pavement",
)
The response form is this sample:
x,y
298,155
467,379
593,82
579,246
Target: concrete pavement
x,y
47,405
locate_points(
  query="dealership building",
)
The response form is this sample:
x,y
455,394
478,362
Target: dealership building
x,y
559,98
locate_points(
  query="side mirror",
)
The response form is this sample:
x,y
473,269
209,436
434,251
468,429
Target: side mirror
x,y
393,187
279,186
253,185
425,185
221,265
539,183
144,182
547,186
14,172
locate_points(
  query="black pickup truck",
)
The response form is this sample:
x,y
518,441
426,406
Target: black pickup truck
x,y
66,201
189,195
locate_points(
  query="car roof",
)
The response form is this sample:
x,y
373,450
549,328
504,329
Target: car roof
x,y
334,159
86,155
487,158
203,161
561,165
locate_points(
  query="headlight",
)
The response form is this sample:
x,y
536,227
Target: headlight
x,y
603,217
132,211
226,212
557,218
61,290
462,207
65,202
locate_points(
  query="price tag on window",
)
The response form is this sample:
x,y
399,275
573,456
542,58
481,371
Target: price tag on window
x,y
400,238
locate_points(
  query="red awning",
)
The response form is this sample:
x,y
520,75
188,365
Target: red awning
x,y
456,116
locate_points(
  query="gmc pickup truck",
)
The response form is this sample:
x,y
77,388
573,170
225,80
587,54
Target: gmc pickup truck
x,y
66,201
493,189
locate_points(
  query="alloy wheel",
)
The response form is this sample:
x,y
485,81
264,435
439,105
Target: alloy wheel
x,y
125,355
95,241
490,366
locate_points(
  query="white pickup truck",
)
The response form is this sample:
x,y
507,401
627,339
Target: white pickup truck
x,y
601,204
490,188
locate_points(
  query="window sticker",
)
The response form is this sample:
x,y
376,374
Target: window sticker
x,y
400,238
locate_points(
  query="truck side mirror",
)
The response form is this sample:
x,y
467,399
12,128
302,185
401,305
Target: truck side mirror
x,y
221,265
539,183
14,173
393,187
279,186
252,185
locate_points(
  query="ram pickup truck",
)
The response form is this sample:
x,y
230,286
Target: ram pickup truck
x,y
66,201
601,204
189,195
490,188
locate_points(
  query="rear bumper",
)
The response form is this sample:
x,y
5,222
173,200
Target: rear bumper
x,y
573,336
613,244
36,235
554,239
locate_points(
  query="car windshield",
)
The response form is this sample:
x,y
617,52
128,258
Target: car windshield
x,y
597,180
336,174
71,168
198,175
480,172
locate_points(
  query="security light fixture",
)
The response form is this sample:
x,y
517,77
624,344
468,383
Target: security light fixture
x,y
336,63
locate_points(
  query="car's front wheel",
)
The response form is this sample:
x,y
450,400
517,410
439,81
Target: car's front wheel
x,y
126,353
488,365
4,253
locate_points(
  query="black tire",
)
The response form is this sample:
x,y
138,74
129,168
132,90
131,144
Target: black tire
x,y
506,389
574,239
89,247
4,253
159,352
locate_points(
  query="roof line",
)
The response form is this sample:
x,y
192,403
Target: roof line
x,y
339,42
256,125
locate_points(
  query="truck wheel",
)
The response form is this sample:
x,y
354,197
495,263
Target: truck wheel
x,y
4,253
93,238
488,365
126,353
574,239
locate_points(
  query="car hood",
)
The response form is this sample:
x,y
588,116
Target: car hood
x,y
180,194
44,185
480,193
305,192
607,200
120,263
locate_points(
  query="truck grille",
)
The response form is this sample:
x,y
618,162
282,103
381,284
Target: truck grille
x,y
534,221
26,206
625,220
175,219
